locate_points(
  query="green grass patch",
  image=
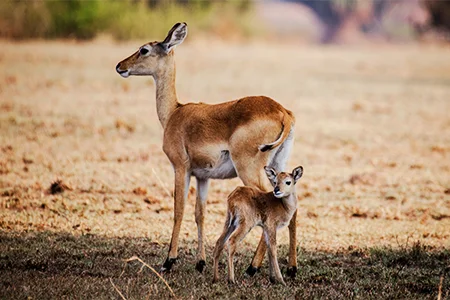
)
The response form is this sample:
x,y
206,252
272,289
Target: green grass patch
x,y
123,20
58,265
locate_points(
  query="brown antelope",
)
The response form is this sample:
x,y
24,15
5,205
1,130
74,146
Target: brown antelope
x,y
226,140
249,207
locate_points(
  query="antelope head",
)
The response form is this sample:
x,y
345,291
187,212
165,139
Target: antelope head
x,y
283,183
153,56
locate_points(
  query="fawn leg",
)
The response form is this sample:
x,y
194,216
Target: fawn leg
x,y
228,229
235,238
271,238
292,269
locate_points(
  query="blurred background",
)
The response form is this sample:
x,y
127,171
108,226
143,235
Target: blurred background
x,y
367,80
317,21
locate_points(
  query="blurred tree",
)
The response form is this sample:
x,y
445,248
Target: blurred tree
x,y
74,18
331,13
242,5
331,18
369,15
123,19
439,14
24,19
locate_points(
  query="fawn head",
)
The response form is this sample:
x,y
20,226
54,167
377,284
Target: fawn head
x,y
153,56
283,183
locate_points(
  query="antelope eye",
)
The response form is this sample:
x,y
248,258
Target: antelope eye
x,y
143,51
288,182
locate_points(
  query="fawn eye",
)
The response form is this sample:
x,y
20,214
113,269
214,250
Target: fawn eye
x,y
288,182
143,51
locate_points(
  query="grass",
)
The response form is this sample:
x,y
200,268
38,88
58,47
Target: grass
x,y
371,133
123,20
81,267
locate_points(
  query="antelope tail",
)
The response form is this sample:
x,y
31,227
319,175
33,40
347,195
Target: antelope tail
x,y
285,130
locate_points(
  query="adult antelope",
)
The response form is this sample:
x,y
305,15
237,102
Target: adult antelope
x,y
236,138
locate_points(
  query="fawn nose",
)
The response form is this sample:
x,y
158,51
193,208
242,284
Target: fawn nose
x,y
276,190
118,67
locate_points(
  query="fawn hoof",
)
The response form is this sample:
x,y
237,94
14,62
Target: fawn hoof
x,y
274,280
200,265
251,270
231,281
167,266
292,271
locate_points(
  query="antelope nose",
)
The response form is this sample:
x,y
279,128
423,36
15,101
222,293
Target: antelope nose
x,y
118,67
276,190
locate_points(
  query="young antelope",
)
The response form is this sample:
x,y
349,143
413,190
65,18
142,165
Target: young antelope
x,y
249,207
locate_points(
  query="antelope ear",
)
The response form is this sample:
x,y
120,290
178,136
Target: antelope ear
x,y
271,174
175,36
297,173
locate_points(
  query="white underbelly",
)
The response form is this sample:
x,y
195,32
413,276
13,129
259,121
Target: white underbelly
x,y
223,170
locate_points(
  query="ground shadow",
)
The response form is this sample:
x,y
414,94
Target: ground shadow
x,y
44,265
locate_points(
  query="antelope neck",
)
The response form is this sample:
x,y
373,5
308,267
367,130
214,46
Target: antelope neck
x,y
290,202
166,94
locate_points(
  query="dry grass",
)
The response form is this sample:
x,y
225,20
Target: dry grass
x,y
372,133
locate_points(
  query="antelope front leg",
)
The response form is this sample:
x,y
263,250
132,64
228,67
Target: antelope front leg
x,y
202,191
275,273
182,179
292,269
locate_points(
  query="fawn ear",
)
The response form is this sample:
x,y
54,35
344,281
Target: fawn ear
x,y
271,174
297,173
175,36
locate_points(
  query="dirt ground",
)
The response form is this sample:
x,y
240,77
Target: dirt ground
x,y
372,134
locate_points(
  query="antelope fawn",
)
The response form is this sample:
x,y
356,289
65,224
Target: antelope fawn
x,y
226,140
249,207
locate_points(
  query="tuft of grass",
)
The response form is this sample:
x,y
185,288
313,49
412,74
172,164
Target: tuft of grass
x,y
144,264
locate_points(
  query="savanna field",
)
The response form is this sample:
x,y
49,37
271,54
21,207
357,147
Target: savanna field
x,y
372,133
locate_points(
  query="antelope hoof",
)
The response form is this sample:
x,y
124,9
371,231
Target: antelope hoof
x,y
292,271
167,266
231,281
251,270
200,265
